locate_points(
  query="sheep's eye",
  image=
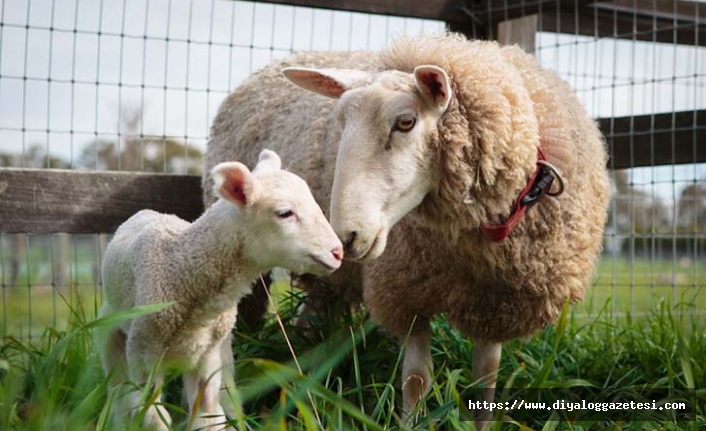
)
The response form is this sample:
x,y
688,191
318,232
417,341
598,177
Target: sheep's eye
x,y
405,123
285,214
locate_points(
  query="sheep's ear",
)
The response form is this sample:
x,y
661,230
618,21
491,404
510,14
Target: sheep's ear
x,y
327,82
234,182
434,84
268,161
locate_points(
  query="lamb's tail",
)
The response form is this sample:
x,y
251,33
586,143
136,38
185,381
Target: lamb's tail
x,y
111,345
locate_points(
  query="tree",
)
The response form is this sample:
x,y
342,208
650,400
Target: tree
x,y
36,157
634,213
691,208
137,152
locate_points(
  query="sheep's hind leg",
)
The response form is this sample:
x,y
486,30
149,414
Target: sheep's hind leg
x,y
486,360
202,388
416,367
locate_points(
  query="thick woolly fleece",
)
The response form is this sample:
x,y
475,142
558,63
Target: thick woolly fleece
x,y
155,258
504,107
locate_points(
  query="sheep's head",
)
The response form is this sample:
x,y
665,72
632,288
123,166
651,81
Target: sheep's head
x,y
283,224
385,165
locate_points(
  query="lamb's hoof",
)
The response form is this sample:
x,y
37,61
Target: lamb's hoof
x,y
157,418
213,423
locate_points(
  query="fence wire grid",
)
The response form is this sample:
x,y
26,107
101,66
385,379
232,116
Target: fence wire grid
x,y
133,85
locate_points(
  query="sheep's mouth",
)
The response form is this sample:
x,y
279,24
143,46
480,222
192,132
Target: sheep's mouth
x,y
375,249
327,266
370,249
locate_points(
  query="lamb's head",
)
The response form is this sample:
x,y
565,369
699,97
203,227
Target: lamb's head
x,y
281,222
385,164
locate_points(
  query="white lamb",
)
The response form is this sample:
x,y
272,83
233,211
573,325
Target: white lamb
x,y
264,218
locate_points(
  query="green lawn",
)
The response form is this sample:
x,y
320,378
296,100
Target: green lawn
x,y
639,286
641,325
350,376
622,285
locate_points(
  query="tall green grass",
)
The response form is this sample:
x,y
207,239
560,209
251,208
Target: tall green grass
x,y
349,377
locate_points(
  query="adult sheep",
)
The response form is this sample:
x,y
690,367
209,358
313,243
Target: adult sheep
x,y
424,151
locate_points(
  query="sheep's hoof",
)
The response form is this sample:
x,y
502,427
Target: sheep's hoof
x,y
482,425
413,389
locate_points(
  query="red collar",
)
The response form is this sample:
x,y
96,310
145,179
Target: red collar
x,y
539,184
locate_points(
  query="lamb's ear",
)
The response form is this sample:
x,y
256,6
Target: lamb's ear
x,y
434,84
327,82
234,182
268,161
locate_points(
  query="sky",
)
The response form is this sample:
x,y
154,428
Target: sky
x,y
70,69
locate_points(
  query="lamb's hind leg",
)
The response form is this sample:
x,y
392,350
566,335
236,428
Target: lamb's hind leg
x,y
416,367
156,416
111,347
202,388
486,360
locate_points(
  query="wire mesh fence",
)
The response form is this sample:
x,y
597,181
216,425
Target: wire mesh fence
x,y
655,240
133,85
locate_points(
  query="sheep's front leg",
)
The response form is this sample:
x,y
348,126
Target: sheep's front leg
x,y
416,368
202,388
486,360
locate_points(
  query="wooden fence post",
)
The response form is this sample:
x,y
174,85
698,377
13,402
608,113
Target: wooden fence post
x,y
519,31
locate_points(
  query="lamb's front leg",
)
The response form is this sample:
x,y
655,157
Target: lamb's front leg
x,y
202,388
227,377
416,367
486,360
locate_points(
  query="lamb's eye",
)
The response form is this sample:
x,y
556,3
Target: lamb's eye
x,y
285,213
405,123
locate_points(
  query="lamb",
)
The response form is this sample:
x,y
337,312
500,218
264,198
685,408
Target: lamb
x,y
436,157
264,218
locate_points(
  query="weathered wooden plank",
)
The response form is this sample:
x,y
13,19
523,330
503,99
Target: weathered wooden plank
x,y
48,200
683,11
652,140
519,31
607,24
444,10
665,21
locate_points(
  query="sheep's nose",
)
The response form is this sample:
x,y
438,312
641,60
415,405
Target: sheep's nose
x,y
348,241
337,253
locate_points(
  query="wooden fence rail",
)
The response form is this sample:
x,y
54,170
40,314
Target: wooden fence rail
x,y
666,21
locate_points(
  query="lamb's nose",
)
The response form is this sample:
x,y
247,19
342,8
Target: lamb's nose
x,y
348,241
337,253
